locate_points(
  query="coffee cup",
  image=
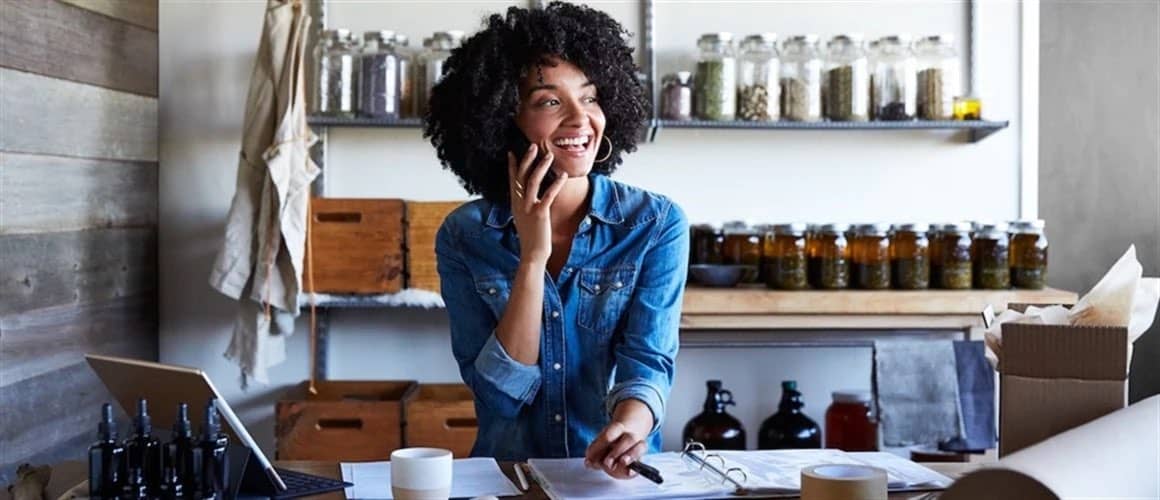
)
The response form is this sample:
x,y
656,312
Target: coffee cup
x,y
421,474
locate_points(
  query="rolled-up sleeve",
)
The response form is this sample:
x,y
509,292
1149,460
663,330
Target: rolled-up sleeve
x,y
498,381
646,355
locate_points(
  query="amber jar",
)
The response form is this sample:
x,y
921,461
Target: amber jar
x,y
828,263
935,253
990,257
715,427
909,252
1028,254
705,245
742,247
850,424
784,257
872,257
954,244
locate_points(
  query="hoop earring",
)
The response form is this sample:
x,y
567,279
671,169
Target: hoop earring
x,y
602,160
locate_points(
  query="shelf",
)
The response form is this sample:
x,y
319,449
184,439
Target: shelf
x,y
978,129
331,121
759,300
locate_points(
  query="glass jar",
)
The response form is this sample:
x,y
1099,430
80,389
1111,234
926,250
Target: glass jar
x,y
758,90
934,253
379,95
1028,254
801,79
431,66
847,80
938,77
955,256
850,423
336,93
871,269
406,79
828,264
715,427
677,96
784,255
990,255
742,247
968,108
706,244
909,252
894,79
790,427
716,78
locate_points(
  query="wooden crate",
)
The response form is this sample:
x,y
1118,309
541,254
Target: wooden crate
x,y
423,221
345,421
441,416
357,245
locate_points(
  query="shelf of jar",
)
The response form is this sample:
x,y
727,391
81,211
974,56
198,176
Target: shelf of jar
x,y
335,121
978,128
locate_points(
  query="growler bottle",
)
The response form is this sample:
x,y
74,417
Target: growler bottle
x,y
789,427
715,428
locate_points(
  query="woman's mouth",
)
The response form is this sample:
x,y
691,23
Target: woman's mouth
x,y
575,145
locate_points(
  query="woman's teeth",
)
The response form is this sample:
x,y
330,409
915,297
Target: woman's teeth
x,y
575,144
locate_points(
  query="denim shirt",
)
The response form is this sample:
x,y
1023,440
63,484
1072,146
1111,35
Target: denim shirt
x,y
610,320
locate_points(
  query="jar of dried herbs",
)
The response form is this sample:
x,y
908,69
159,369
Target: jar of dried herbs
x,y
706,244
934,253
955,270
828,262
871,270
716,78
938,77
784,252
990,254
1028,254
909,252
742,246
801,79
379,95
430,67
406,78
894,79
758,90
337,81
846,82
677,96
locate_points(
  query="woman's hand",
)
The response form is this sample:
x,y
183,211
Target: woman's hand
x,y
622,441
532,216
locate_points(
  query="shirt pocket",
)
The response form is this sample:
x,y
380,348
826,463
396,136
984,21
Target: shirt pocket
x,y
604,297
495,292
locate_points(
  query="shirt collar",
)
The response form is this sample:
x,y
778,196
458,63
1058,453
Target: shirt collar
x,y
604,205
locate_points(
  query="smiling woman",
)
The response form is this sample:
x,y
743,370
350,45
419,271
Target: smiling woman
x,y
563,287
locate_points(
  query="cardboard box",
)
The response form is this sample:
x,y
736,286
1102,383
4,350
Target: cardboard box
x,y
1056,377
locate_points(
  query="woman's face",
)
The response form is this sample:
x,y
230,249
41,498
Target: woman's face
x,y
559,106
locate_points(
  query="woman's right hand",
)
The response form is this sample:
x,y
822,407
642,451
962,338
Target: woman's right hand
x,y
532,215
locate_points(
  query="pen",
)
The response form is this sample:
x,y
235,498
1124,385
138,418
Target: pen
x,y
523,479
648,471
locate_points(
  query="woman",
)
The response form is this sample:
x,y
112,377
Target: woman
x,y
563,287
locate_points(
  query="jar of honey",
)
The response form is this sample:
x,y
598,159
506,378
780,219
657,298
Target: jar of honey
x,y
742,247
909,252
954,245
1028,254
705,244
850,424
872,257
990,254
828,263
784,254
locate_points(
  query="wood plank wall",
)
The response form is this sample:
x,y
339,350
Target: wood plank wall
x,y
78,214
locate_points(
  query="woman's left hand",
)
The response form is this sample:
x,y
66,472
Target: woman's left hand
x,y
622,441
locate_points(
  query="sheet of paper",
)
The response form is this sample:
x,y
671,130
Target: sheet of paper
x,y
568,479
901,473
471,477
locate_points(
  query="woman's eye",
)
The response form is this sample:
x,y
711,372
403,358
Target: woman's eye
x,y
550,102
590,99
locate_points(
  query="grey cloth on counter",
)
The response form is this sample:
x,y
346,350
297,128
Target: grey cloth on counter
x,y
918,391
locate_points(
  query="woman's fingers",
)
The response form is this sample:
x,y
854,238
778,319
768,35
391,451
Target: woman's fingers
x,y
599,447
618,457
553,190
532,184
514,186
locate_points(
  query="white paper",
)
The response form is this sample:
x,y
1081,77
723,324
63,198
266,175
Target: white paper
x,y
471,477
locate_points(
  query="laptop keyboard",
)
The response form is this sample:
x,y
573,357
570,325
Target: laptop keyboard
x,y
299,484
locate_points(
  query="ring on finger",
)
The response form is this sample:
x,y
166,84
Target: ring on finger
x,y
519,193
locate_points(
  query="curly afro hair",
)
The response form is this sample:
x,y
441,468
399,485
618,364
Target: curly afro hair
x,y
471,111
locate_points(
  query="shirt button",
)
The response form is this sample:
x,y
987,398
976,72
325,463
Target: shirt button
x,y
586,219
596,287
559,418
557,366
555,314
491,291
618,284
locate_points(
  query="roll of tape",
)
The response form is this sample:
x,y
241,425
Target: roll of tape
x,y
843,482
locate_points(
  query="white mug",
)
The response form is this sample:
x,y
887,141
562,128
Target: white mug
x,y
421,474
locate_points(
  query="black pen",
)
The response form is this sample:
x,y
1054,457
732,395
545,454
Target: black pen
x,y
649,472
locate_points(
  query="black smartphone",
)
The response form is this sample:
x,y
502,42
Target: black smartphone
x,y
518,145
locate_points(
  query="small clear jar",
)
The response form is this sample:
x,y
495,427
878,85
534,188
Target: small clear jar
x,y
336,91
990,255
758,90
431,66
715,96
909,256
677,96
938,77
828,262
801,79
784,255
871,270
406,79
847,80
955,255
894,79
379,95
1028,254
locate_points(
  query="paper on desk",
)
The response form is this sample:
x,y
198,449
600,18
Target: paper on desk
x,y
470,477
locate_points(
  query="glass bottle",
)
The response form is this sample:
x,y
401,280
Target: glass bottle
x,y
706,244
909,252
784,255
406,79
828,264
850,423
677,96
106,458
955,249
379,95
714,427
742,247
758,90
938,77
336,91
801,79
847,80
1028,254
894,79
990,254
872,257
715,92
789,428
432,60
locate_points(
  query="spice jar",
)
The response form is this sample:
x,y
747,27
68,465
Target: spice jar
x,y
801,79
938,77
431,66
784,257
406,79
379,95
715,95
758,90
956,269
871,269
909,251
828,263
677,96
742,247
706,242
894,79
934,253
850,424
847,80
990,256
968,108
1028,254
336,90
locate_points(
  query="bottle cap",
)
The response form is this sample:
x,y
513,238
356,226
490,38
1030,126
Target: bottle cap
x,y
851,396
107,428
142,422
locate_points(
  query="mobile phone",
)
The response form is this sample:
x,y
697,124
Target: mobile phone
x,y
518,144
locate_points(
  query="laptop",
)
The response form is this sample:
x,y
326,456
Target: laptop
x,y
165,386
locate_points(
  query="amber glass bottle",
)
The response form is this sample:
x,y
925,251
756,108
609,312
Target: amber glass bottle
x,y
789,427
714,427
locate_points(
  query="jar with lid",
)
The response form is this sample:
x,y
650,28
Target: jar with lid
x,y
677,96
715,90
934,253
379,95
990,254
850,423
784,255
742,247
872,257
956,268
406,79
801,79
894,79
909,251
336,91
847,80
431,66
828,263
714,427
1028,254
706,244
938,77
758,90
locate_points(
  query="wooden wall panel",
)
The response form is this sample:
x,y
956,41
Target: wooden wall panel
x,y
50,38
140,12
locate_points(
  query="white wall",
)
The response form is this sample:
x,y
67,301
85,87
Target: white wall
x,y
715,175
